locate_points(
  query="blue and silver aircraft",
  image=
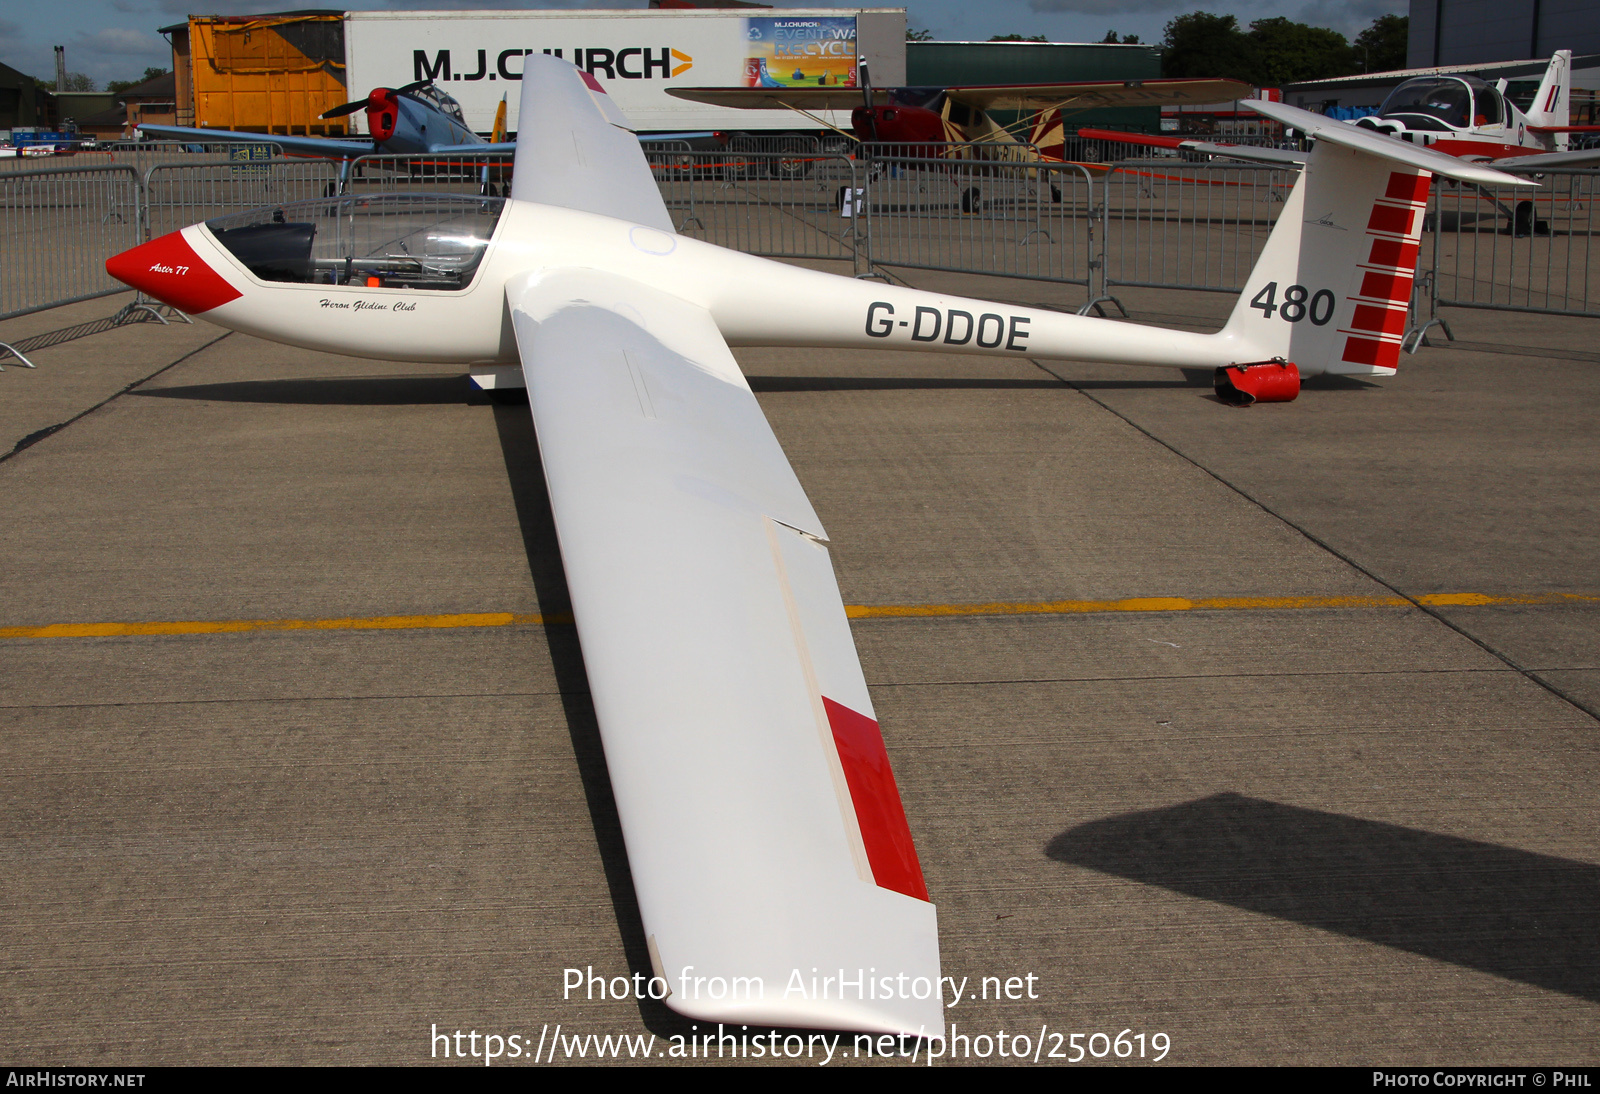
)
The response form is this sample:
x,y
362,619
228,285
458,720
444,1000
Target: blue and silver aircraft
x,y
411,120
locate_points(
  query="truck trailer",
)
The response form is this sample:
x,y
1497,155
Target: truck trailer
x,y
476,56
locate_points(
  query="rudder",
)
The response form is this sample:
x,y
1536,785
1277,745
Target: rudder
x,y
1333,285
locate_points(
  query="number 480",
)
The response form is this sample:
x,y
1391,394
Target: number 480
x,y
1294,307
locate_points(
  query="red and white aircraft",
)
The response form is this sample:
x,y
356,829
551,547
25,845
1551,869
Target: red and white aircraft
x,y
1458,115
1464,116
773,862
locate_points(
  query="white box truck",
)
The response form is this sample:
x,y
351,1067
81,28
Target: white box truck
x,y
476,56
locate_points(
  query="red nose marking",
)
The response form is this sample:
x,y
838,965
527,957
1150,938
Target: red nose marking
x,y
169,270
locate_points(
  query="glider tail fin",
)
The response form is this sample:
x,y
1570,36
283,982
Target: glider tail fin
x,y
1331,289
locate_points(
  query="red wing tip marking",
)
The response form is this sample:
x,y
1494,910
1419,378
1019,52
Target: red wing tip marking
x,y
884,831
592,83
169,270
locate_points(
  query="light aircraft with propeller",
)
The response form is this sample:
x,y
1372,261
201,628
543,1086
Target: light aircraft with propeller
x,y
959,122
417,119
774,865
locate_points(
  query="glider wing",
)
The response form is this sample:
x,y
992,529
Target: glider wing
x,y
771,856
575,149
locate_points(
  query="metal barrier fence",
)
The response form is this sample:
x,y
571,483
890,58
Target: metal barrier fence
x,y
1034,221
776,204
59,226
179,194
1176,225
1153,222
1516,250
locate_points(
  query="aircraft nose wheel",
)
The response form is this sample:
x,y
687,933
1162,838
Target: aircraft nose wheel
x,y
971,200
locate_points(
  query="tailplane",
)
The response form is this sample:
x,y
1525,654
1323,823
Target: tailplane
x,y
1332,287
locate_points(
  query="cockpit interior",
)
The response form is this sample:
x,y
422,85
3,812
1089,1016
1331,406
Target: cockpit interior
x,y
413,241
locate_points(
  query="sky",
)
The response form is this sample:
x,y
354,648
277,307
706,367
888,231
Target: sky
x,y
117,39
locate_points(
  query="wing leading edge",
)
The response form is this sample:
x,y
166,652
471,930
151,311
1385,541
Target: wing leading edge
x,y
770,853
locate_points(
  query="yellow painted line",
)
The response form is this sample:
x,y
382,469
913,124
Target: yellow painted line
x,y
235,626
854,611
1211,603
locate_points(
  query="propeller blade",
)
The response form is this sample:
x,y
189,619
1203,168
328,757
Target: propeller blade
x,y
866,95
347,108
415,86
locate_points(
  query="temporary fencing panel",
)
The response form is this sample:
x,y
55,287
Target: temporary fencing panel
x,y
1031,220
1176,225
179,194
59,227
1517,250
777,204
485,175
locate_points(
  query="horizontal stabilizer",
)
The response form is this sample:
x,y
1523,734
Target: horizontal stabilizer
x,y
1541,161
1379,144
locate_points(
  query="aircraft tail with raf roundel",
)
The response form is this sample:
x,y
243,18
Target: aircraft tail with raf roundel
x,y
1551,105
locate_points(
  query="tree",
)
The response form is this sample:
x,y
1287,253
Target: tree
x,y
76,81
1111,39
1019,38
1272,53
918,35
118,86
1204,45
1288,52
1382,46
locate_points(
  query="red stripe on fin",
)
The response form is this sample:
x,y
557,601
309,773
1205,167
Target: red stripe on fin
x,y
884,831
1386,286
1407,187
1379,320
1368,351
1390,218
1391,252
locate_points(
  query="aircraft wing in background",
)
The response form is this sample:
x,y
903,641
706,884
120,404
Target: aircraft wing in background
x,y
1082,95
326,147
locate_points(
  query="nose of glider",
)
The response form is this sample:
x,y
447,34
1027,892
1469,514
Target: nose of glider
x,y
169,270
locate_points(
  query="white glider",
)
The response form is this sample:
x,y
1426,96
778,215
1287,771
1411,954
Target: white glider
x,y
771,856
